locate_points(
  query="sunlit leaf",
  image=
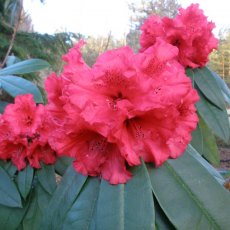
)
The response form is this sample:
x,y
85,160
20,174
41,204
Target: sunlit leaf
x,y
23,67
16,86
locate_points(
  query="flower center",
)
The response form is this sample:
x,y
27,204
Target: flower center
x,y
28,120
135,128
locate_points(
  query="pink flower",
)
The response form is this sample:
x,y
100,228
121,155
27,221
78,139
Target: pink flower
x,y
189,31
26,131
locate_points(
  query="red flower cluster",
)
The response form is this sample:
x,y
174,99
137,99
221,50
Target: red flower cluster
x,y
189,31
126,107
24,132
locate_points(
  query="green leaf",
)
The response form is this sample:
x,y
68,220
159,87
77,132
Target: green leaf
x,y
127,206
215,118
203,162
62,164
3,104
10,168
206,82
139,204
12,60
10,218
16,86
224,87
81,203
189,196
80,215
24,180
162,222
63,199
46,176
9,195
23,67
38,204
204,142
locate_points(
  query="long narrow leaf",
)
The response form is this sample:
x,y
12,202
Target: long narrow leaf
x,y
215,118
204,142
46,177
127,206
223,86
38,204
63,199
24,180
10,218
17,85
80,215
202,161
9,195
189,196
23,67
206,82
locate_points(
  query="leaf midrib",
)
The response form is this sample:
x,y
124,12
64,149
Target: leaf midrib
x,y
185,187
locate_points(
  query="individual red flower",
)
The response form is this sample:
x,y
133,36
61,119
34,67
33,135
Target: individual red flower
x,y
23,117
189,31
152,28
93,154
75,71
24,133
15,151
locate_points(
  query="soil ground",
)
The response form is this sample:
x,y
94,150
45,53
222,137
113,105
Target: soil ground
x,y
225,163
225,157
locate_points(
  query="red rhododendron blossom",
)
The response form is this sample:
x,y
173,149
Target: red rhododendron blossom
x,y
24,133
75,70
189,31
56,97
74,60
93,153
23,117
127,107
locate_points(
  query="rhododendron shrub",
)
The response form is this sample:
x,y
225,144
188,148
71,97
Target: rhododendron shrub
x,y
131,120
189,31
126,107
24,132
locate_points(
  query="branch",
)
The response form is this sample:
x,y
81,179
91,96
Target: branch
x,y
108,41
14,34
